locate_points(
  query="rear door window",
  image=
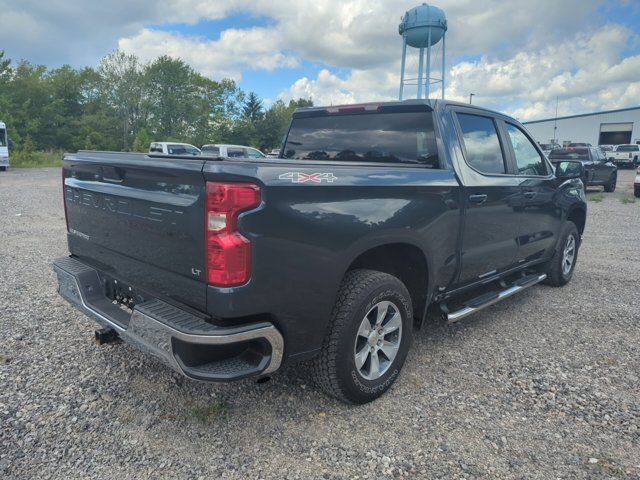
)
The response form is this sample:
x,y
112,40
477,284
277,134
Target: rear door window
x,y
176,150
529,161
482,145
235,152
3,137
211,150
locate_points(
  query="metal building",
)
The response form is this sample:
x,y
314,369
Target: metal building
x,y
611,127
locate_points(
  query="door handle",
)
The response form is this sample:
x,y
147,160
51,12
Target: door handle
x,y
478,198
529,194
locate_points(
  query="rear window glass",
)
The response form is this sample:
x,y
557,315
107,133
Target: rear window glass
x,y
628,148
3,137
399,137
571,154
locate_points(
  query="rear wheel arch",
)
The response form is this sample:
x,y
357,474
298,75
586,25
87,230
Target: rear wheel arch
x,y
405,261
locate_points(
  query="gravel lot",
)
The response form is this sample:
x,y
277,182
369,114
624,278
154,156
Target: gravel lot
x,y
544,385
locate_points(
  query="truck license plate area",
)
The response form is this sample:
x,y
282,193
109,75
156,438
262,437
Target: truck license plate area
x,y
122,295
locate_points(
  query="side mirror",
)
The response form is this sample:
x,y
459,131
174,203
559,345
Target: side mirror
x,y
567,169
10,144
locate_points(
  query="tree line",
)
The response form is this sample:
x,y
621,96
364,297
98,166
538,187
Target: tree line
x,y
124,104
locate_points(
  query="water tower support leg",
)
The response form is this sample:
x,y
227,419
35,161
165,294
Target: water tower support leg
x,y
420,72
428,81
404,57
443,56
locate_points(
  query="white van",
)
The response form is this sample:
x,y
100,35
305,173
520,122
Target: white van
x,y
4,148
230,151
174,148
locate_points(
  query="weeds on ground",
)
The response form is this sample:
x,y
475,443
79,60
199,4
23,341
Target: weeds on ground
x,y
210,413
598,197
27,159
627,200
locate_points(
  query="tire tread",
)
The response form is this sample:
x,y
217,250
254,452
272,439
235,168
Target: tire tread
x,y
324,366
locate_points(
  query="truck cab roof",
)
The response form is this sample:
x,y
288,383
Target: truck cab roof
x,y
397,105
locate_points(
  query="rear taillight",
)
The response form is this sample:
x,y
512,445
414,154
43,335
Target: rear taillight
x,y
64,200
228,253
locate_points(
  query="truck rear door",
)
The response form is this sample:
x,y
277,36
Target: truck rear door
x,y
139,219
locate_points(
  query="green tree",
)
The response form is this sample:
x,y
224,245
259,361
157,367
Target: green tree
x,y
124,104
142,141
273,126
122,89
174,99
252,109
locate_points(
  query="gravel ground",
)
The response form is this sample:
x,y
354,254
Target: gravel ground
x,y
544,385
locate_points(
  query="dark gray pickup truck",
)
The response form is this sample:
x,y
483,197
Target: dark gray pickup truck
x,y
230,268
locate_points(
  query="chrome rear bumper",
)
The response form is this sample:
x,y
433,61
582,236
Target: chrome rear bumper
x,y
184,342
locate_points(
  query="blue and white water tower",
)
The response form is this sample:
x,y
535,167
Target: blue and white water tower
x,y
422,27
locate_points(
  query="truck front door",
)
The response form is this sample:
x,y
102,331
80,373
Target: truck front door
x,y
541,220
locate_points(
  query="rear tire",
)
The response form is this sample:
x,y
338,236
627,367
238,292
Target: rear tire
x,y
3,169
558,272
369,304
636,192
610,186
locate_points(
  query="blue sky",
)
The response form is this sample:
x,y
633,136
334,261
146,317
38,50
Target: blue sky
x,y
516,56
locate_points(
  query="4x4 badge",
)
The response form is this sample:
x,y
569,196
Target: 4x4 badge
x,y
299,177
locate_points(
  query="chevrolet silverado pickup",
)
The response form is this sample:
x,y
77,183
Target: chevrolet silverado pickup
x,y
227,268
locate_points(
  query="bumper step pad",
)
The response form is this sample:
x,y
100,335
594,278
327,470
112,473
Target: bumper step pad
x,y
183,341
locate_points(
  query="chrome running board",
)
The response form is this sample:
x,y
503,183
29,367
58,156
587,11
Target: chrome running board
x,y
483,301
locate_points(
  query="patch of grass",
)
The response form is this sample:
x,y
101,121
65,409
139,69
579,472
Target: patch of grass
x,y
25,159
627,200
210,413
598,197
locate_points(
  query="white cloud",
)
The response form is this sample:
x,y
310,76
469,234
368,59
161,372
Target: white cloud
x,y
529,52
235,51
585,71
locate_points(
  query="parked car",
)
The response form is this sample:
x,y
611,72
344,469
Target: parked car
x,y
548,147
330,254
4,148
598,169
231,151
607,148
625,155
636,184
174,148
579,144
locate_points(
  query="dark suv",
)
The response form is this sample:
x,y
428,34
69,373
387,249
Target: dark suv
x,y
598,170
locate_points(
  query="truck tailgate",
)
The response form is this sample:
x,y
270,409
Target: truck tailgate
x,y
139,219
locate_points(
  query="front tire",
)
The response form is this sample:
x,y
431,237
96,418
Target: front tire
x,y
610,186
560,268
368,338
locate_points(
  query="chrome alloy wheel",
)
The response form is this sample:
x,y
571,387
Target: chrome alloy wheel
x,y
378,340
569,255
